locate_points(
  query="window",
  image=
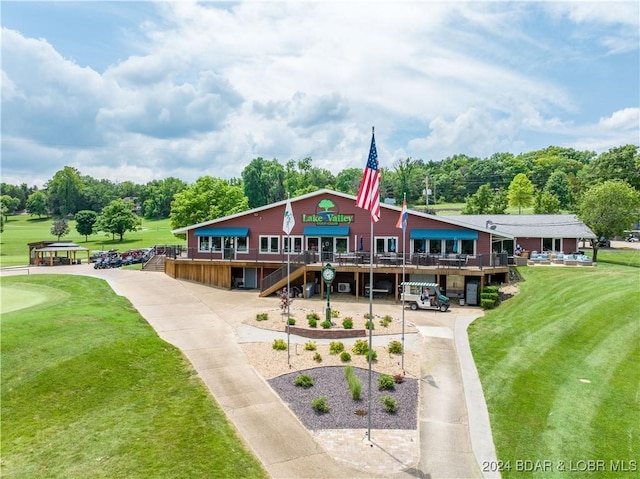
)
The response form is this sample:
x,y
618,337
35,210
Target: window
x,y
216,243
435,246
204,243
551,244
296,241
242,244
269,244
467,247
386,244
342,245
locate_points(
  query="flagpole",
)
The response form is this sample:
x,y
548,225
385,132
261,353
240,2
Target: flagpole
x,y
404,260
370,325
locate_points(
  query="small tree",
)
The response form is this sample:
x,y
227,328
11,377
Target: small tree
x,y
60,228
85,220
520,192
608,209
117,218
37,204
546,203
8,204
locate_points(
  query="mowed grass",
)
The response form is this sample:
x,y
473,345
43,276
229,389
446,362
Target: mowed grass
x,y
23,229
89,390
560,368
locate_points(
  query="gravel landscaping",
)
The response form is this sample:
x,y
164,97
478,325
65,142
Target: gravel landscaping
x,y
344,412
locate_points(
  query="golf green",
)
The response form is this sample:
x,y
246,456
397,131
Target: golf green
x,y
17,298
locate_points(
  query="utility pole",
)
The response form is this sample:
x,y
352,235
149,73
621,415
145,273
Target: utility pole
x,y
426,191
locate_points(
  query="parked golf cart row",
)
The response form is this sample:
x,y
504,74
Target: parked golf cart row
x,y
114,259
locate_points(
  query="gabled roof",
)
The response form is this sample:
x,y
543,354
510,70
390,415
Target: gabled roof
x,y
531,226
395,209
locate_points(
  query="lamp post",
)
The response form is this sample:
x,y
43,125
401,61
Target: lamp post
x,y
328,275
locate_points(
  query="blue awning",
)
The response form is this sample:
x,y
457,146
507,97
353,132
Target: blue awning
x,y
239,232
444,234
326,231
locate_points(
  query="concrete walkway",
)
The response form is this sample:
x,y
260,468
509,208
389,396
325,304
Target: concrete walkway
x,y
453,438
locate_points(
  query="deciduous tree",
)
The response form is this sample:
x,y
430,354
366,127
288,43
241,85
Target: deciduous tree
x,y
60,228
37,204
520,192
117,218
85,221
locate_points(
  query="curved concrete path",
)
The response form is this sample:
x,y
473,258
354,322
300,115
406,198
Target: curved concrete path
x,y
205,323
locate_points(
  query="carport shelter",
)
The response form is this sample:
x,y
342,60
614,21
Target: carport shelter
x,y
55,254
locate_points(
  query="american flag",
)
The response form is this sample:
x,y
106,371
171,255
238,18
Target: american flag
x,y
402,221
369,192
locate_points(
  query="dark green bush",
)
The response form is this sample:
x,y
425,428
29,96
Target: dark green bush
x,y
347,323
374,355
345,357
314,315
326,324
491,289
303,381
291,321
317,358
395,347
262,316
389,403
384,322
313,323
320,404
386,382
487,303
369,325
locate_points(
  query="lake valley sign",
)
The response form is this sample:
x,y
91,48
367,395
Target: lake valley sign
x,y
326,214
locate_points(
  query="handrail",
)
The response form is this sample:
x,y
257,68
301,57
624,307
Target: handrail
x,y
298,261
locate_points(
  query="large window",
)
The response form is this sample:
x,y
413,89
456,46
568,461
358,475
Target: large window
x,y
204,243
269,244
552,244
386,244
296,241
435,246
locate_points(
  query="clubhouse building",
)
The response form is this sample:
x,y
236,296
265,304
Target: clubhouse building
x,y
251,250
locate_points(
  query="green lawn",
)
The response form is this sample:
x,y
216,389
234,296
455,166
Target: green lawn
x,y
560,368
89,390
23,229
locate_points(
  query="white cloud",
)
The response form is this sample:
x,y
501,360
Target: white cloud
x,y
626,119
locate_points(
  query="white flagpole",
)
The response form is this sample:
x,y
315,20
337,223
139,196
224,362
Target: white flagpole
x,y
404,259
370,353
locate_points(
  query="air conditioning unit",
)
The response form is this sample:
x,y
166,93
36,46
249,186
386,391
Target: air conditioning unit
x,y
344,287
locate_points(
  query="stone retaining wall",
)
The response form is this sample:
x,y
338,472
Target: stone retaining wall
x,y
332,333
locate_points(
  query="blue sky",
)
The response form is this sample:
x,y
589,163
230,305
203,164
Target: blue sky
x,y
145,90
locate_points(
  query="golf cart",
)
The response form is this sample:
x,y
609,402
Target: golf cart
x,y
424,296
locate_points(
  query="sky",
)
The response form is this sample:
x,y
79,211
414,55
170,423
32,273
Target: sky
x,y
137,91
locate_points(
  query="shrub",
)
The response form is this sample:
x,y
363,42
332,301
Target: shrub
x,y
313,323
320,404
310,346
386,382
291,321
384,322
493,296
279,345
335,313
313,315
398,378
326,324
389,403
347,323
395,347
303,381
262,316
374,355
355,386
336,347
369,325
360,347
491,289
345,357
367,316
487,303
317,358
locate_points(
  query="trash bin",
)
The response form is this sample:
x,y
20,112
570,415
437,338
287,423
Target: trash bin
x,y
309,290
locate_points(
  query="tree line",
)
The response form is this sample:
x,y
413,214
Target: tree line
x,y
551,180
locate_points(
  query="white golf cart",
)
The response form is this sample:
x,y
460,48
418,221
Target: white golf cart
x,y
424,296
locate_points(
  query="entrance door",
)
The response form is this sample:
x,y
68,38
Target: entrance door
x,y
326,242
229,247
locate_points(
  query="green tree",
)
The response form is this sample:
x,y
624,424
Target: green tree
x,y
480,202
263,182
157,195
15,192
85,221
520,192
96,194
60,228
546,203
609,209
620,163
348,180
37,204
8,205
117,218
558,185
207,199
64,191
405,172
